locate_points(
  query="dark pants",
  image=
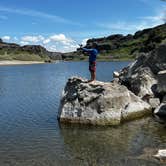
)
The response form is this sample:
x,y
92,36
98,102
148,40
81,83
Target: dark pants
x,y
92,66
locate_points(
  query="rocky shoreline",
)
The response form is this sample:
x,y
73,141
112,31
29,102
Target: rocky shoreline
x,y
136,91
146,78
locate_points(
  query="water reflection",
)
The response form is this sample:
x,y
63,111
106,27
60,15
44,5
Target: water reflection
x,y
119,145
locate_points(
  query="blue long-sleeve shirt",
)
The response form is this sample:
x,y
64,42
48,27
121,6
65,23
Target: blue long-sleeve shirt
x,y
92,54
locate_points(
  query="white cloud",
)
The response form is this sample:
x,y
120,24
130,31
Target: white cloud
x,y
33,39
15,38
46,41
24,43
131,27
51,48
125,26
56,42
60,42
69,48
6,38
61,38
84,41
160,18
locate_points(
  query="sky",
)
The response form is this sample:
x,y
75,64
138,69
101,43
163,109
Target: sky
x,y
60,25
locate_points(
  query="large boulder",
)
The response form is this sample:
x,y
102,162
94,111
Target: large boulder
x,y
99,103
141,76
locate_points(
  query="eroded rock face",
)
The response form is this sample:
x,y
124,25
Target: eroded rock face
x,y
141,77
141,82
99,103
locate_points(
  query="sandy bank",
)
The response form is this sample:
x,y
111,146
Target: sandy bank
x,y
16,62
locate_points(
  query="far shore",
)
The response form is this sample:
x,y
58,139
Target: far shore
x,y
17,62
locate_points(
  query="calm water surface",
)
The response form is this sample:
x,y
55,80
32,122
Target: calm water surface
x,y
31,136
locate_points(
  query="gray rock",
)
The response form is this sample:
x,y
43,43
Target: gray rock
x,y
141,76
116,74
160,111
164,99
161,155
99,103
141,81
161,87
154,102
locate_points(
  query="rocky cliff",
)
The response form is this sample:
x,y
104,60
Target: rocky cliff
x,y
120,46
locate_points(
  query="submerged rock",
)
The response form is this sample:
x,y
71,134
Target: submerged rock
x,y
99,103
161,155
160,111
153,155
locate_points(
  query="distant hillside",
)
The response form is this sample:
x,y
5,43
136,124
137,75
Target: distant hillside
x,y
119,46
12,51
113,47
126,47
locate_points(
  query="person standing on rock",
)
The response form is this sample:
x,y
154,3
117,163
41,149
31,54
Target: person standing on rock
x,y
92,53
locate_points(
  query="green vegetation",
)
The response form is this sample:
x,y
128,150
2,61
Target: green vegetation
x,y
121,47
11,51
22,56
26,57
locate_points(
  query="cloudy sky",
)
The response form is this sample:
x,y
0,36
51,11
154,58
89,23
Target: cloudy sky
x,y
59,25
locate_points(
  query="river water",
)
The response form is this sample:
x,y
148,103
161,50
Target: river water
x,y
30,134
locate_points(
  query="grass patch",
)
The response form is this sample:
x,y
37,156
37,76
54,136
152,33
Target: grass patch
x,y
26,57
22,57
5,57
